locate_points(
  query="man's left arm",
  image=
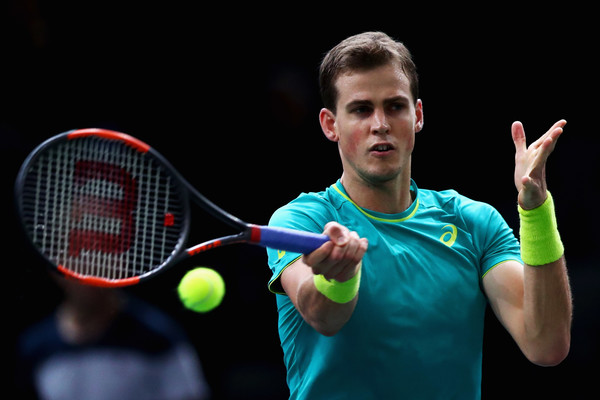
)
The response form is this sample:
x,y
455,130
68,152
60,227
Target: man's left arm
x,y
533,301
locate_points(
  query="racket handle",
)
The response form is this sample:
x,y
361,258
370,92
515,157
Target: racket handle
x,y
290,239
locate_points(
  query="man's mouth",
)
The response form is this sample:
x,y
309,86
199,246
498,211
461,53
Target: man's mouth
x,y
381,147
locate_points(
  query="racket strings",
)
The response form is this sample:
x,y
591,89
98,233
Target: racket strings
x,y
102,209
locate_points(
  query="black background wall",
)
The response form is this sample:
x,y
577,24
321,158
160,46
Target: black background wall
x,y
230,96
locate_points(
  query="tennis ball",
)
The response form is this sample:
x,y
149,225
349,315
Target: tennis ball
x,y
201,289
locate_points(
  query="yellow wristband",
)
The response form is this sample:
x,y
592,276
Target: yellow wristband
x,y
540,240
339,292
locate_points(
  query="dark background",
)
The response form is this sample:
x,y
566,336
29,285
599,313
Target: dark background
x,y
230,96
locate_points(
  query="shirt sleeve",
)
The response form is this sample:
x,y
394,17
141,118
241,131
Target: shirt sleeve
x,y
307,213
493,237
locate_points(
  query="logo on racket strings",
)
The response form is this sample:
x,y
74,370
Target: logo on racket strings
x,y
102,210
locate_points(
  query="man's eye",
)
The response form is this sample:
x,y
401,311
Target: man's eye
x,y
396,106
360,110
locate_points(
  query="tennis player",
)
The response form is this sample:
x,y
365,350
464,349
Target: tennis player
x,y
393,306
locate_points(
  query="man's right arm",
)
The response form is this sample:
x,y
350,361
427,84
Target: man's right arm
x,y
339,260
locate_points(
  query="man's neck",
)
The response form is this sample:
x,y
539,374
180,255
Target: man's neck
x,y
389,197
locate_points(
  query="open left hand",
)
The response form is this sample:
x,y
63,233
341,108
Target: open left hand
x,y
530,163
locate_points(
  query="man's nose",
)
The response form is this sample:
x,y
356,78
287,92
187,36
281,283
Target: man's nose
x,y
380,123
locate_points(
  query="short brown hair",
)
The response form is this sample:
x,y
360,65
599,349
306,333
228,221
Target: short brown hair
x,y
364,51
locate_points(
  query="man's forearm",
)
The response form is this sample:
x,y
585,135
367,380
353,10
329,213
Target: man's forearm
x,y
548,312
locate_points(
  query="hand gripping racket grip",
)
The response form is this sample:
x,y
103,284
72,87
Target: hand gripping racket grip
x,y
290,239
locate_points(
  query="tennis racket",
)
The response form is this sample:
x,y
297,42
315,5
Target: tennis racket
x,y
108,210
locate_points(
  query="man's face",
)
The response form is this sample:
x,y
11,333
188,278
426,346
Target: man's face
x,y
375,123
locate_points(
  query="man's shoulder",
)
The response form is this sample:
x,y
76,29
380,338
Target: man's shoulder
x,y
307,203
454,202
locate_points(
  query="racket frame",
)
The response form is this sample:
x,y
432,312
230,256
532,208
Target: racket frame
x,y
248,233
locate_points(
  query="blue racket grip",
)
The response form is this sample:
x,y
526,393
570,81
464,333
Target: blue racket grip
x,y
290,239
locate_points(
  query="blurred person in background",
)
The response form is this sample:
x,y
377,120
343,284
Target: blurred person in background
x,y
104,344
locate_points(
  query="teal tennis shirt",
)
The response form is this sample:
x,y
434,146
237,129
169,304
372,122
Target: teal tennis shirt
x,y
417,329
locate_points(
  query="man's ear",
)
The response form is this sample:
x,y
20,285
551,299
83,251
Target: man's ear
x,y
419,121
327,120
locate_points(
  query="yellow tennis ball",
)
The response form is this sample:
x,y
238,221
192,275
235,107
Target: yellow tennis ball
x,y
201,289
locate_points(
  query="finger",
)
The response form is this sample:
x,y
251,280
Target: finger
x,y
554,132
343,259
334,264
550,138
342,271
351,262
316,258
338,233
518,136
326,258
560,123
345,253
547,147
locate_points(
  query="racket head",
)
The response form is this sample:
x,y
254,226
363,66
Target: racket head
x,y
102,207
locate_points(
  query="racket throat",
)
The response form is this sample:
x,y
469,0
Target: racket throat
x,y
255,234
